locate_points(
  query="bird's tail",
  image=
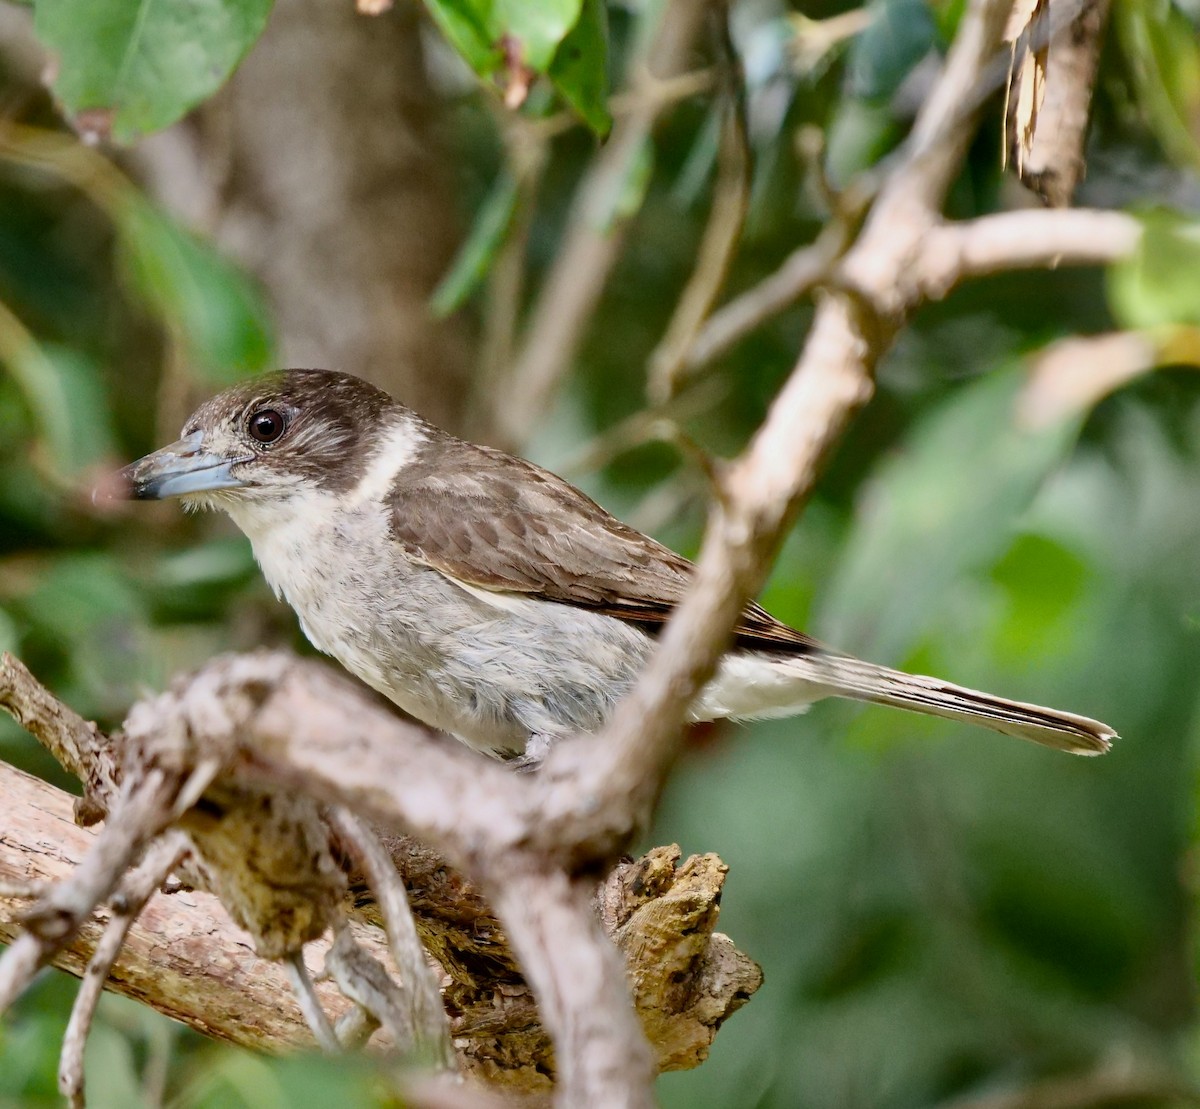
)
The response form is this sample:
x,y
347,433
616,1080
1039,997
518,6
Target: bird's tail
x,y
844,676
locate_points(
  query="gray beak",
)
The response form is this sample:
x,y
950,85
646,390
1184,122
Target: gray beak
x,y
183,467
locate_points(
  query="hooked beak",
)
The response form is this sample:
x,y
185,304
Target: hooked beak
x,y
183,467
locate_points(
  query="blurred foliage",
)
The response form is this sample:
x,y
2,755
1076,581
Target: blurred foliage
x,y
940,913
513,42
128,69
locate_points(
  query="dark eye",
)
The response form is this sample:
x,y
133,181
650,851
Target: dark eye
x,y
266,425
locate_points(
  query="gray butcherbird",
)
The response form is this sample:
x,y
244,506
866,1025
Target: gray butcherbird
x,y
484,595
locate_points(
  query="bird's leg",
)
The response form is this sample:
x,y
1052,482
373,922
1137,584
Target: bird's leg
x,y
537,747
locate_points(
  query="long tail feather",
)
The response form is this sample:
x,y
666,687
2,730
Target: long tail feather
x,y
845,676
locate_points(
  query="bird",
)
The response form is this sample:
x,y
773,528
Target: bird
x,y
484,595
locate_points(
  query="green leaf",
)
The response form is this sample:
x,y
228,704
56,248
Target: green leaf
x,y
213,307
465,23
476,255
566,40
128,67
536,28
1160,282
1043,581
579,69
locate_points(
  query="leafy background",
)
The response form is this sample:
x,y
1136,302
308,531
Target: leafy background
x,y
942,916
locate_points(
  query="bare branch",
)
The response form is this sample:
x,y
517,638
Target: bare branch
x,y
1070,376
582,994
1054,165
137,888
1028,239
182,954
310,1005
800,273
727,215
185,957
767,484
289,733
430,1030
527,151
78,745
140,813
20,963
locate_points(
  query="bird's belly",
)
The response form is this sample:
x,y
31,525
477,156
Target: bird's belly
x,y
493,680
493,673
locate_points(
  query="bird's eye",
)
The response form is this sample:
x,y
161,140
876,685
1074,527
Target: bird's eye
x,y
266,425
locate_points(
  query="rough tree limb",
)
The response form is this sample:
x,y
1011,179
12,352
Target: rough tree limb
x,y
185,958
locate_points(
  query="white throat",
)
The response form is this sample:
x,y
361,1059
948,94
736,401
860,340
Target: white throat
x,y
304,539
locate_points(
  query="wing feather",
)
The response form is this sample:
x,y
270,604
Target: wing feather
x,y
499,523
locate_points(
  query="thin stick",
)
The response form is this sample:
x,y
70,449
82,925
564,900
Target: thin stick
x,y
135,890
77,744
592,240
727,216
431,1029
18,965
310,1005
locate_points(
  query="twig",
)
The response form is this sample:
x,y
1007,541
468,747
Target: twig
x,y
1054,163
135,890
18,965
727,215
427,1019
810,265
953,252
1070,376
527,155
310,1005
666,90
581,989
140,813
592,240
185,957
799,274
644,426
77,744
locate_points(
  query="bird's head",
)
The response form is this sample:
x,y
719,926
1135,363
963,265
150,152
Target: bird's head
x,y
269,440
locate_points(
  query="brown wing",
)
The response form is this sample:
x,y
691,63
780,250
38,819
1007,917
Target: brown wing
x,y
502,524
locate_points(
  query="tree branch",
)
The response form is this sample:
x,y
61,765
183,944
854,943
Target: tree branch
x,y
763,490
1028,239
186,958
